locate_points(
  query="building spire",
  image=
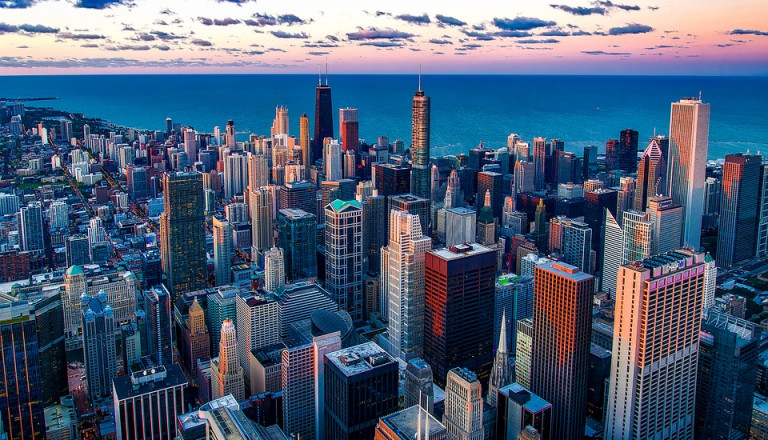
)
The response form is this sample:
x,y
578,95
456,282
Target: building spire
x,y
419,77
502,347
326,73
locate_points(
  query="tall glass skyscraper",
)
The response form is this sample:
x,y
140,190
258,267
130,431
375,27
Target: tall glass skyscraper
x,y
687,163
420,170
323,117
739,209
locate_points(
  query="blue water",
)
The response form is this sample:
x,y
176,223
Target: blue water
x,y
465,109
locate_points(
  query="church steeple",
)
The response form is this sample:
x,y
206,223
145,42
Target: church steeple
x,y
502,373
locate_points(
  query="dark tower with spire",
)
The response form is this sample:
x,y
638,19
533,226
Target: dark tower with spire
x,y
323,115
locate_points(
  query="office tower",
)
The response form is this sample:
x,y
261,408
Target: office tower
x,y
561,344
196,338
280,123
58,215
306,147
419,385
148,402
137,179
230,136
712,189
274,269
391,179
402,274
573,240
627,150
524,177
434,185
297,236
298,381
99,348
323,117
524,352
236,212
168,126
262,235
458,311
420,144
539,158
625,195
761,247
226,372
728,354
221,306
739,209
49,321
190,144
349,164
522,152
493,182
361,384
216,136
453,196
667,218
611,155
258,171
624,244
519,410
400,426
9,204
597,381
30,219
182,233
348,128
687,163
651,175
414,205
343,255
486,223
235,175
595,202
513,300
463,417
590,161
321,345
374,228
710,281
78,251
568,168
222,250
258,327
332,160
21,408
645,402
160,323
503,372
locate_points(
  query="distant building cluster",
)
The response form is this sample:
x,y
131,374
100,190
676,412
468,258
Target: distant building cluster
x,y
183,284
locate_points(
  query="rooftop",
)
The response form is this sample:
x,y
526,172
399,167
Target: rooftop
x,y
133,385
405,423
360,358
564,270
524,397
460,251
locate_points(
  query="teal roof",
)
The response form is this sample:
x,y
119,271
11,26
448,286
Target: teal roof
x,y
340,205
74,270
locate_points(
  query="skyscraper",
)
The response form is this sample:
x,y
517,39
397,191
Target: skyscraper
x,y
463,417
344,255
524,352
627,150
399,426
513,301
539,159
349,129
667,220
261,219
306,147
402,272
298,381
281,122
31,227
230,136
274,269
21,408
78,251
235,175
323,117
502,373
519,410
645,402
222,250
651,175
160,323
458,311
687,163
419,385
258,171
297,235
420,120
361,384
182,233
197,341
414,205
258,326
739,209
725,385
561,344
332,160
226,372
624,244
99,348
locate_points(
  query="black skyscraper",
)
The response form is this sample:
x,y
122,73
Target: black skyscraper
x,y
323,117
628,150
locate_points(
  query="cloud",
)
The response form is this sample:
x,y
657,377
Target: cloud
x,y
218,21
554,33
13,4
378,34
98,4
580,33
580,10
129,47
630,28
382,43
121,62
71,36
535,41
521,23
749,32
283,34
290,19
144,37
202,43
415,19
28,28
317,53
602,52
163,47
482,36
167,36
437,41
610,4
259,19
513,34
332,38
451,21
89,45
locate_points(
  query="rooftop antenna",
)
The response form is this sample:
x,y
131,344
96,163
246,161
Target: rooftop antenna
x,y
418,419
326,71
319,75
419,77
699,95
426,427
654,131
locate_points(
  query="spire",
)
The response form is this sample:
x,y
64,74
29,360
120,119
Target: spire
x,y
487,201
326,73
419,77
319,75
502,347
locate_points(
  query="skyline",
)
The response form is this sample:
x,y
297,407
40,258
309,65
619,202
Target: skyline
x,y
242,36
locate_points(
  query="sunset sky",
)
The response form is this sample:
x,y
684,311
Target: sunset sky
x,y
711,37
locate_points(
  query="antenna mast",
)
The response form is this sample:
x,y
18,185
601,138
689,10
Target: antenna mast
x,y
326,72
319,75
419,77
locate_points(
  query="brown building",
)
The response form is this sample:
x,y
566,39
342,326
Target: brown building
x,y
458,311
562,317
14,265
196,338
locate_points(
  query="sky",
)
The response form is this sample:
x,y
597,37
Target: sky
x,y
656,37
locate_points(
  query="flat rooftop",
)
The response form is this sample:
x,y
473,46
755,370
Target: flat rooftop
x,y
360,358
461,251
565,270
405,423
124,385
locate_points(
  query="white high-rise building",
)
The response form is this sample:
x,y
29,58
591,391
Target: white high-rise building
x,y
258,171
258,326
344,255
262,236
463,417
460,226
332,161
655,350
687,163
274,269
402,268
235,175
226,372
667,218
58,213
222,251
624,244
190,144
280,124
9,204
31,227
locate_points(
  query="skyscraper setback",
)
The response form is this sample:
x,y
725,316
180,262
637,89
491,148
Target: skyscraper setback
x,y
420,170
687,163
